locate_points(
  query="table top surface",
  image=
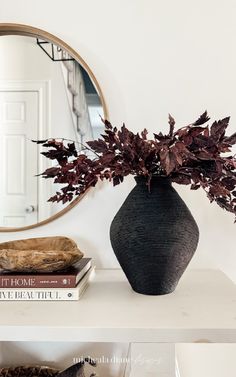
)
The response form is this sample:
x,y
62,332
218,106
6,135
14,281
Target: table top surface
x,y
202,309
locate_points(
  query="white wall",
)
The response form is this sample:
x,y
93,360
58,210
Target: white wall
x,y
206,360
150,58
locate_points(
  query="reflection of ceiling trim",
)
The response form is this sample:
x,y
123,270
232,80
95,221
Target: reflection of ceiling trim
x,y
54,50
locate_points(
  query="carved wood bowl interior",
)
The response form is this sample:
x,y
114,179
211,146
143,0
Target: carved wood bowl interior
x,y
47,254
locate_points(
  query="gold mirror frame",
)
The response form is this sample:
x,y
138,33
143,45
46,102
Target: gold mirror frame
x,y
30,31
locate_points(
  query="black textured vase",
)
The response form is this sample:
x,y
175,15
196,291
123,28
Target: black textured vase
x,y
154,237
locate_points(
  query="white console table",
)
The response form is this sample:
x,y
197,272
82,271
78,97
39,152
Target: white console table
x,y
202,309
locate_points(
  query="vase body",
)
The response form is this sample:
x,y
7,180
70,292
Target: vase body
x,y
154,237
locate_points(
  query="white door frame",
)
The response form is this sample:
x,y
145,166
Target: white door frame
x,y
43,88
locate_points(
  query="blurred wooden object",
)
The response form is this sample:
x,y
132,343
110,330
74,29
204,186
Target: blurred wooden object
x,y
45,254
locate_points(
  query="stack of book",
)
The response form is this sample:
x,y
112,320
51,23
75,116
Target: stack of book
x,y
66,285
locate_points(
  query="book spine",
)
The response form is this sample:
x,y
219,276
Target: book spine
x,y
37,281
38,295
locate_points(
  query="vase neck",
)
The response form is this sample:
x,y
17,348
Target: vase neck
x,y
155,180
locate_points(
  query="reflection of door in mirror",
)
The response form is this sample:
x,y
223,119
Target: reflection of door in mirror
x,y
18,186
44,93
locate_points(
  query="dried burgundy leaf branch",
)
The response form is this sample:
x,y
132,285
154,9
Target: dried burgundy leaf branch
x,y
192,155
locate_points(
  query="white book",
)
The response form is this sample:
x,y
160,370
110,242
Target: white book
x,y
47,294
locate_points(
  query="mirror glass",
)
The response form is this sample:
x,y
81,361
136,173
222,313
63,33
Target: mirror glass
x,y
44,93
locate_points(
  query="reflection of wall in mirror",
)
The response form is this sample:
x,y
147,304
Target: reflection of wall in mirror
x,y
76,95
84,101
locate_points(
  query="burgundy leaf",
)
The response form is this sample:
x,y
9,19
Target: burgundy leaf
x,y
204,155
117,179
218,190
206,132
181,179
187,139
192,155
51,172
172,125
218,128
202,119
229,183
107,124
182,131
180,146
168,161
161,137
223,203
40,141
231,140
107,158
144,134
99,146
194,131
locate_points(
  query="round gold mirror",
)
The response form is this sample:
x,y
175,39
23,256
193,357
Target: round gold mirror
x,y
46,91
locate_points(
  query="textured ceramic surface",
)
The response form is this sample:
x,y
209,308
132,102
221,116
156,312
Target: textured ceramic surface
x,y
154,237
46,254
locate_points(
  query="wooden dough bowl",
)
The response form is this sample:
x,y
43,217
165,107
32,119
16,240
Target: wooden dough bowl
x,y
29,371
75,370
45,254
